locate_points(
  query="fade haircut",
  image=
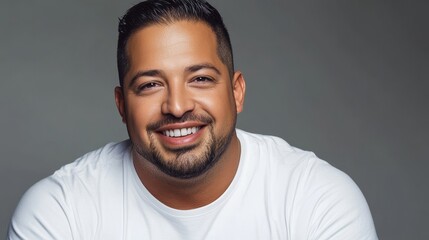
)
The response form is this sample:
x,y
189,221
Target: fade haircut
x,y
153,12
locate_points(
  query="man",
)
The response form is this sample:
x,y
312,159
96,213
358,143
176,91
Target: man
x,y
186,172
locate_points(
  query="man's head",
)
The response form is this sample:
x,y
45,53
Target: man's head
x,y
153,12
178,96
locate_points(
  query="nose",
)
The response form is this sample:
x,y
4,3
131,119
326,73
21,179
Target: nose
x,y
177,102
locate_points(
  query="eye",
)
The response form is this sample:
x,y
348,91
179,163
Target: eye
x,y
202,79
147,87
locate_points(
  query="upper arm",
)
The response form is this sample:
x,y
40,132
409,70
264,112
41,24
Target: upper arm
x,y
332,207
42,213
341,211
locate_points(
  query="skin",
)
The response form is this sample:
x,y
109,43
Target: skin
x,y
175,72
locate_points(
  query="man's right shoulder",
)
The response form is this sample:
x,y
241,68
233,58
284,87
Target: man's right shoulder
x,y
48,208
95,161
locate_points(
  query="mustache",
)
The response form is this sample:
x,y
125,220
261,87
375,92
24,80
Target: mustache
x,y
170,119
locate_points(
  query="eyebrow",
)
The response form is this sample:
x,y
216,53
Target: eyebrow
x,y
197,67
156,72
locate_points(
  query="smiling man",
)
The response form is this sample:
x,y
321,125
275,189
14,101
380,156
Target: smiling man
x,y
180,101
186,172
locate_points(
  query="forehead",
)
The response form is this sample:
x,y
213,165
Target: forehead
x,y
173,45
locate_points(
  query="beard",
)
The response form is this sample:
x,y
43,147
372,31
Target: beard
x,y
188,162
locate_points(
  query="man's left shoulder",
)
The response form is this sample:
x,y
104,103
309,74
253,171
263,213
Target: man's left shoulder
x,y
317,196
301,166
275,152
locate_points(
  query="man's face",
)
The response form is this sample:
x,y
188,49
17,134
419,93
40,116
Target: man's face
x,y
178,100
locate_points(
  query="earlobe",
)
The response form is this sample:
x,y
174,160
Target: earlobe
x,y
120,102
239,89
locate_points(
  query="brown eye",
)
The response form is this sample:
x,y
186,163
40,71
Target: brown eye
x,y
147,86
203,79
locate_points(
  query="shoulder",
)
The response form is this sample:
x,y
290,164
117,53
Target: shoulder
x,y
280,156
264,143
319,200
40,211
274,153
95,171
47,209
331,205
109,155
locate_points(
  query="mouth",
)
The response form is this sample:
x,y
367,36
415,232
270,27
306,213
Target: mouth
x,y
180,132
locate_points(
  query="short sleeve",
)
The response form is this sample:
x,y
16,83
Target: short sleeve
x,y
336,208
42,213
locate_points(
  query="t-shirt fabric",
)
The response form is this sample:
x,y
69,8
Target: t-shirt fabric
x,y
278,192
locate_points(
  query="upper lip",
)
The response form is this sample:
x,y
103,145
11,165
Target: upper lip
x,y
180,125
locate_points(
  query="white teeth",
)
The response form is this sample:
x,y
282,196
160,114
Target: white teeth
x,y
180,132
177,133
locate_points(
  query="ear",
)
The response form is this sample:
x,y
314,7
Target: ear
x,y
239,90
120,103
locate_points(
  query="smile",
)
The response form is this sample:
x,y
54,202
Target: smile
x,y
181,132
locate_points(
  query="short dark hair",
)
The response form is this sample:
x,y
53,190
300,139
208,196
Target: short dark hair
x,y
166,12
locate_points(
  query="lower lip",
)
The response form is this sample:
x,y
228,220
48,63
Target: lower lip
x,y
176,142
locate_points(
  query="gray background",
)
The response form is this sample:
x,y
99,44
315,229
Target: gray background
x,y
345,79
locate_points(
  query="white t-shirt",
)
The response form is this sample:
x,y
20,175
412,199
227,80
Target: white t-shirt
x,y
278,192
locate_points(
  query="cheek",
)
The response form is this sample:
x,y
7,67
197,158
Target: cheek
x,y
219,104
141,111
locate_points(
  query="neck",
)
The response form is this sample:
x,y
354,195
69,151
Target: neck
x,y
195,192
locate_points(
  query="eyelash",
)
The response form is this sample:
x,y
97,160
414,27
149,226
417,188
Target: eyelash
x,y
147,86
202,79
